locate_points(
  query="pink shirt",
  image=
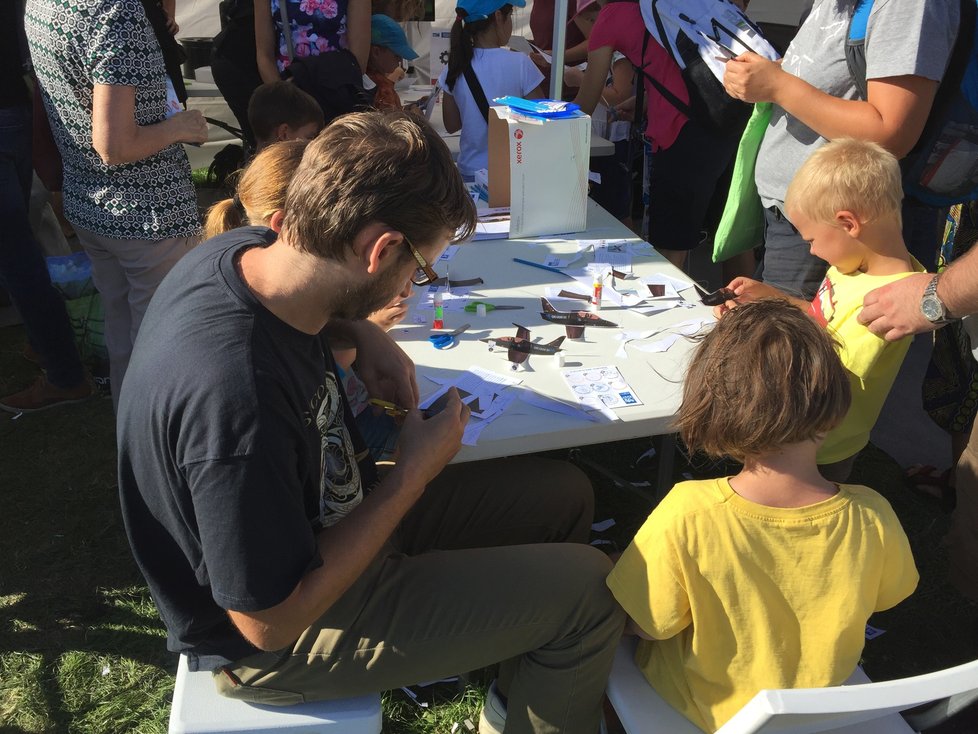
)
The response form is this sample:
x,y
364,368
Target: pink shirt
x,y
620,25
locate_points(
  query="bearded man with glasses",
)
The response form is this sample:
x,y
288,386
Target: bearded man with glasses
x,y
277,555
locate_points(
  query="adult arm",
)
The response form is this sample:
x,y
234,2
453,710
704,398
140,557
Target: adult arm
x,y
170,9
893,114
575,54
358,30
116,136
622,83
893,311
348,547
595,76
265,42
383,366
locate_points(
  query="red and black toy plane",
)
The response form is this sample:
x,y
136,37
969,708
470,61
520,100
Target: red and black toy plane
x,y
573,322
519,347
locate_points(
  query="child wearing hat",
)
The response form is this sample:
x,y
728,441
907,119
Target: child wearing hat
x,y
481,29
388,46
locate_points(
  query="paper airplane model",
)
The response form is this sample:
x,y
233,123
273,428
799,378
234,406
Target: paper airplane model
x,y
573,322
519,347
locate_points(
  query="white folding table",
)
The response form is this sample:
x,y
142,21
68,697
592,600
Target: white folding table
x,y
656,378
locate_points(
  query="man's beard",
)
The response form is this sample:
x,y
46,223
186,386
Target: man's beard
x,y
358,301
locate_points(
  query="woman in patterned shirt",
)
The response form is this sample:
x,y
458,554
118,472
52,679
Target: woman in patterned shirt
x,y
316,27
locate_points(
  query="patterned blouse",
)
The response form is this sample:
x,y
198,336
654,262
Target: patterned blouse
x,y
317,26
76,44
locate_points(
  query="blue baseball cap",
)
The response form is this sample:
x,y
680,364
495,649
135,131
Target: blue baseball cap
x,y
481,9
384,31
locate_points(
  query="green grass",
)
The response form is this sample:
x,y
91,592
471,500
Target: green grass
x,y
82,648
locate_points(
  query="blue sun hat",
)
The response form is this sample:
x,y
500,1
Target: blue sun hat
x,y
384,31
476,10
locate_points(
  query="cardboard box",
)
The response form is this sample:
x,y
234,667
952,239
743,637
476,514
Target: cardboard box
x,y
538,168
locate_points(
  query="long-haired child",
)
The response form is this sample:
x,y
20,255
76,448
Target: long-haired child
x,y
765,579
481,30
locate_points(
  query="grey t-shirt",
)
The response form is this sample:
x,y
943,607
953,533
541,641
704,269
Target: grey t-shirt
x,y
902,37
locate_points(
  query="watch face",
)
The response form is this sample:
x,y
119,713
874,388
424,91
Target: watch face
x,y
932,308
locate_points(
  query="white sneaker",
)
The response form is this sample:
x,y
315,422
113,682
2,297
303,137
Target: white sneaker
x,y
492,720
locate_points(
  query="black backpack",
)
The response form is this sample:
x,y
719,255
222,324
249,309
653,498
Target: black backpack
x,y
334,80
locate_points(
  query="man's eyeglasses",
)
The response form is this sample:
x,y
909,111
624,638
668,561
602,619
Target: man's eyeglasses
x,y
424,274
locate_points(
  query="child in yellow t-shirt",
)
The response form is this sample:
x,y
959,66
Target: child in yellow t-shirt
x,y
765,579
845,200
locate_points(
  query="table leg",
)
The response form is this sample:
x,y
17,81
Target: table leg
x,y
667,457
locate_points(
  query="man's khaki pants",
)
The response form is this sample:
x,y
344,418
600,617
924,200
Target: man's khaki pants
x,y
126,273
490,566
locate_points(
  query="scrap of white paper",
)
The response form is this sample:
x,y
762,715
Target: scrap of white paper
x,y
483,393
568,303
641,249
669,290
495,229
600,527
658,308
554,405
615,253
660,345
451,300
677,283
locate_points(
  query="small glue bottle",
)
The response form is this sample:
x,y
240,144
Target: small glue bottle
x,y
439,321
598,287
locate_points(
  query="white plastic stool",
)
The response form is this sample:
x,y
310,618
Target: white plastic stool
x,y
199,709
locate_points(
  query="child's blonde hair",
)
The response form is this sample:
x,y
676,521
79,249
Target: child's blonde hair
x,y
847,175
261,189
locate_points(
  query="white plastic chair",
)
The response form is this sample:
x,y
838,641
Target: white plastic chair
x,y
857,707
199,708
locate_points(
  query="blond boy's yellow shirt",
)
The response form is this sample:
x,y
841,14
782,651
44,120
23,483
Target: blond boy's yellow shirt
x,y
741,597
871,362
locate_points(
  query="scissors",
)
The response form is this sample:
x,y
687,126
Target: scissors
x,y
394,411
446,341
472,307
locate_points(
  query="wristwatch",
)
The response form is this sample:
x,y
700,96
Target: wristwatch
x,y
931,306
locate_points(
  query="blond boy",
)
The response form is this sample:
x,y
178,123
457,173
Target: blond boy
x,y
845,201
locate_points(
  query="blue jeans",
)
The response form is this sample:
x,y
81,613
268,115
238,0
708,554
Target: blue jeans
x,y
788,263
23,272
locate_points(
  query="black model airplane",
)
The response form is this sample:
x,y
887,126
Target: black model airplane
x,y
519,347
717,297
573,322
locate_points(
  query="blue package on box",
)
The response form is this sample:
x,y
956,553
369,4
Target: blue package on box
x,y
545,109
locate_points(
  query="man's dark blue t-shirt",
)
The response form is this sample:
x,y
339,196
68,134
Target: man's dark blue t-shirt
x,y
234,451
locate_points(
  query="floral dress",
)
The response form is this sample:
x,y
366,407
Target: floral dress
x,y
317,26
